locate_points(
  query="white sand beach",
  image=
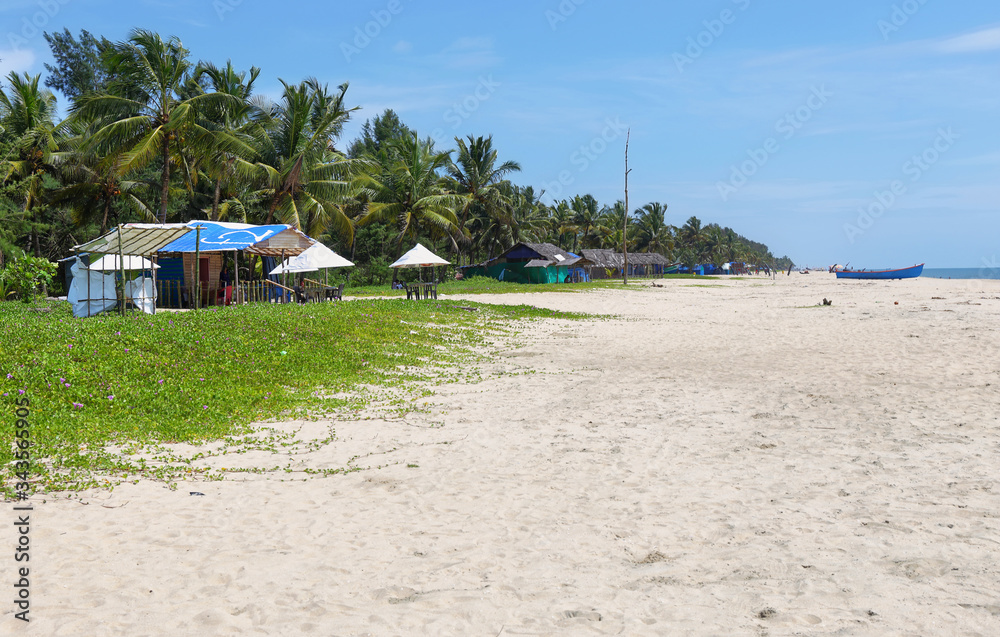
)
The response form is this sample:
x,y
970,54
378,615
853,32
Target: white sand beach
x,y
719,457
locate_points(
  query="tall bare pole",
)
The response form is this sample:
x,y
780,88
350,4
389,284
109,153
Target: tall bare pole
x,y
628,134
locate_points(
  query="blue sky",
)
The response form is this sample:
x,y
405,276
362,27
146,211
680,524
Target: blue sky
x,y
861,131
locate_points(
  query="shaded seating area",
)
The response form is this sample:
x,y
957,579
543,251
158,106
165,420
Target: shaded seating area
x,y
419,257
419,289
317,257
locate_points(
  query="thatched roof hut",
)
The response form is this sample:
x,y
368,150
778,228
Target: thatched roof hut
x,y
527,263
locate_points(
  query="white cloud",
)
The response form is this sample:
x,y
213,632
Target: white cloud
x,y
403,47
469,52
982,40
20,60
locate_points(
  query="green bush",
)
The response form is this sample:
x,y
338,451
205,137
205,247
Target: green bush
x,y
23,277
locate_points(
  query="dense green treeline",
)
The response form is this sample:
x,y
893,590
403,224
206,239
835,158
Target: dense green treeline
x,y
150,135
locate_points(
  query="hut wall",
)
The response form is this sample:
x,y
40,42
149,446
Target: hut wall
x,y
169,279
214,270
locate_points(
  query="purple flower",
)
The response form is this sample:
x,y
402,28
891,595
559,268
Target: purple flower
x,y
160,381
62,380
9,376
111,397
77,405
204,406
67,384
20,391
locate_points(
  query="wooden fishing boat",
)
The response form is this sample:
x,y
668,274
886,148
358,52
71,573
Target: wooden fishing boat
x,y
902,273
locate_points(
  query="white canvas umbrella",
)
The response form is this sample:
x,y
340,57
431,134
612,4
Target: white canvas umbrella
x,y
317,257
111,262
418,257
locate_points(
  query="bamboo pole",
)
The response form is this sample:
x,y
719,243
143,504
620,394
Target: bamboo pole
x,y
153,258
89,300
121,267
625,221
236,275
197,267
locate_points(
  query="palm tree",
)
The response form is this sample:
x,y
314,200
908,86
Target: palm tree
x,y
476,176
227,162
652,231
712,245
562,228
586,216
96,185
528,214
407,191
27,113
692,236
143,114
304,179
610,227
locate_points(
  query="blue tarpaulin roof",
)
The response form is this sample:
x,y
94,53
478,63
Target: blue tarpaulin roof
x,y
223,236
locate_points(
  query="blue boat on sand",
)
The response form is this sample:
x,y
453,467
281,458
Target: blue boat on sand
x,y
902,273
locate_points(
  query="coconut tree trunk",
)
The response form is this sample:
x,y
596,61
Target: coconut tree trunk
x,y
165,191
271,209
104,221
215,199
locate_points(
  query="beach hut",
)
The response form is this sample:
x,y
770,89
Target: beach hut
x,y
527,263
602,264
196,261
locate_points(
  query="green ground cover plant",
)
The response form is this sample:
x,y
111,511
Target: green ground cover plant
x,y
103,386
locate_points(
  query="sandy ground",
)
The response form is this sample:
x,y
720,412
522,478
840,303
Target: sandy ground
x,y
717,459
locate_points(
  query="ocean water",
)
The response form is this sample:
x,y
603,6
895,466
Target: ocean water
x,y
962,273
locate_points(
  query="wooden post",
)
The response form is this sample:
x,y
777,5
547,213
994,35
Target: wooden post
x,y
121,267
236,278
284,275
153,258
628,134
197,267
88,283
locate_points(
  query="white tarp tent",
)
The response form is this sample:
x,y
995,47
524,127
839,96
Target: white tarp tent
x,y
418,257
111,262
142,293
88,285
317,257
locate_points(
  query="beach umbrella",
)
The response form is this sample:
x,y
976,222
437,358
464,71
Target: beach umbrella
x,y
316,257
418,257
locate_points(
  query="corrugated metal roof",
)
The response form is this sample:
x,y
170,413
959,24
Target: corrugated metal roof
x,y
141,240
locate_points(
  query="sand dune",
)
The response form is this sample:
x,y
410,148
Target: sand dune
x,y
722,460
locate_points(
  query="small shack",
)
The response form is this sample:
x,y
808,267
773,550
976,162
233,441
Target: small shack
x,y
527,263
647,263
601,264
200,256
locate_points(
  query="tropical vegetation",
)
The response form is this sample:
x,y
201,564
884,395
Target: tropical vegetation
x,y
149,134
